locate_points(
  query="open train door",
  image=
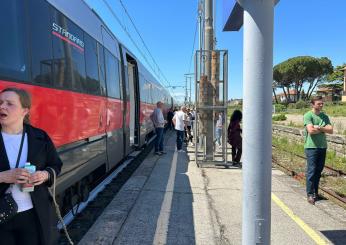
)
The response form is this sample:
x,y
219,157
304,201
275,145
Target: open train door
x,y
132,71
131,104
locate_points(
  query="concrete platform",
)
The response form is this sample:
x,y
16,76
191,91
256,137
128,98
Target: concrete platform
x,y
170,201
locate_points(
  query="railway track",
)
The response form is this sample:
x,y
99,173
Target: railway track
x,y
300,176
83,215
333,171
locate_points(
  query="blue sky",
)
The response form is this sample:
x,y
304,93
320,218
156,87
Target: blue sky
x,y
302,27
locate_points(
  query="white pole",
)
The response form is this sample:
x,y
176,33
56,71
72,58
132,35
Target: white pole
x,y
257,130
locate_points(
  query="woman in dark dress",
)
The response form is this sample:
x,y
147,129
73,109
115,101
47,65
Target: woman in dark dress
x,y
35,221
234,136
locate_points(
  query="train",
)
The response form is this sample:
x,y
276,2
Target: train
x,y
90,93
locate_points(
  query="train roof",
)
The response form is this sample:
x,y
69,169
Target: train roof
x,y
86,18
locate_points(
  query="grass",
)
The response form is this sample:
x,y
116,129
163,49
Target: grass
x,y
332,160
231,109
291,161
338,110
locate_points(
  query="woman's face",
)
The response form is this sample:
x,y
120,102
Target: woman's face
x,y
11,110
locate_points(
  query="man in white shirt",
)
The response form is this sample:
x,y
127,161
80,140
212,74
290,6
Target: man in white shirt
x,y
159,124
179,121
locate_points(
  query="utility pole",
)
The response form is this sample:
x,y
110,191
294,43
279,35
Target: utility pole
x,y
186,95
189,76
205,86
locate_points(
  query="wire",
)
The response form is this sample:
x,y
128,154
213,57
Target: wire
x,y
130,37
144,44
193,46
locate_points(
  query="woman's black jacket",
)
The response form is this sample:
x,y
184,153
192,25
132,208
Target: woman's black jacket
x,y
42,154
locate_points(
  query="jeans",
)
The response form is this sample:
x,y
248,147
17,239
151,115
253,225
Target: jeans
x,y
180,139
315,158
218,134
159,139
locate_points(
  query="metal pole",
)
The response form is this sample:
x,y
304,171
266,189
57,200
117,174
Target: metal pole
x,y
186,90
257,130
208,114
190,90
200,30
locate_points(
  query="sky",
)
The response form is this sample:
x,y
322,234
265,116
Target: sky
x,y
301,27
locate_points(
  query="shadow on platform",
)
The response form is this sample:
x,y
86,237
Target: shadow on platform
x,y
337,237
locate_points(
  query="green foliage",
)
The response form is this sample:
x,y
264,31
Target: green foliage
x,y
337,75
279,108
279,117
297,71
301,104
332,159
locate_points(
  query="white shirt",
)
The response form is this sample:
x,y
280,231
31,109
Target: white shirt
x,y
12,144
180,117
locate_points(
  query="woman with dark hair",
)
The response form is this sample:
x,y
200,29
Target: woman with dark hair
x,y
234,136
20,143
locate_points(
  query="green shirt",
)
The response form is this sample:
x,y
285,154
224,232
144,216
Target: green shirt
x,y
315,140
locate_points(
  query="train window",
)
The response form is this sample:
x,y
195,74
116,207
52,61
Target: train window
x,y
150,93
92,83
102,72
41,42
68,52
112,75
142,89
13,58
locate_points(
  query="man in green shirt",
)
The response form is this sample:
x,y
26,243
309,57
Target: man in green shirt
x,y
316,124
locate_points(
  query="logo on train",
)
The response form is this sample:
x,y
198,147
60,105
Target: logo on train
x,y
67,36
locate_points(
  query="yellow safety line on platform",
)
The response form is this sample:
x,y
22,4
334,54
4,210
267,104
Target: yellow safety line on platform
x,y
318,239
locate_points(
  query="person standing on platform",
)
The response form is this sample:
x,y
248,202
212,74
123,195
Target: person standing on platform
x,y
316,124
188,127
218,129
234,136
159,124
170,115
179,121
20,143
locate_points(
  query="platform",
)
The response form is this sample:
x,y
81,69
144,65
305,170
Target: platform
x,y
169,200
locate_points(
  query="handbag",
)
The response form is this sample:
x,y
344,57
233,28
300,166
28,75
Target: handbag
x,y
8,206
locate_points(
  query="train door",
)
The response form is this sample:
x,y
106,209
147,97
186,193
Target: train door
x,y
125,102
132,72
114,119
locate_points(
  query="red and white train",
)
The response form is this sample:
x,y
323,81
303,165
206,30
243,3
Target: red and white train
x,y
89,92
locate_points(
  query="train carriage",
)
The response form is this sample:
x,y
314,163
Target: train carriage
x,y
90,93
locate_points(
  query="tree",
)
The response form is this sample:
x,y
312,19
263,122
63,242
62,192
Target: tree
x,y
297,71
338,74
274,86
320,75
280,80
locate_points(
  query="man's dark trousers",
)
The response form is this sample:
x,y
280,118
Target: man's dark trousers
x,y
180,139
315,163
159,140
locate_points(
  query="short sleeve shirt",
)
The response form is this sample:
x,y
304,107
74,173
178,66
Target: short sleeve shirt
x,y
180,119
315,140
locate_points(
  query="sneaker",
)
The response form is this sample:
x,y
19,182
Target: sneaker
x,y
181,151
158,153
311,200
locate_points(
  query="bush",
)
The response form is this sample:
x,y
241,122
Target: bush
x,y
280,117
301,104
279,108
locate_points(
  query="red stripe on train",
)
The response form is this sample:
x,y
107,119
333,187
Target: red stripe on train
x,y
69,116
